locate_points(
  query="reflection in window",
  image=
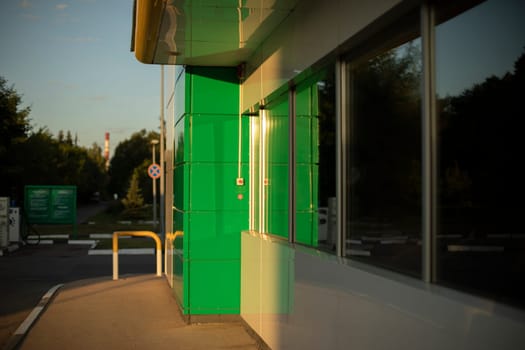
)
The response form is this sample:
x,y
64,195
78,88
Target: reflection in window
x,y
275,180
256,206
480,66
315,161
384,169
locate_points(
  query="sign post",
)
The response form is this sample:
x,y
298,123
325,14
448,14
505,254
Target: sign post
x,y
51,205
154,172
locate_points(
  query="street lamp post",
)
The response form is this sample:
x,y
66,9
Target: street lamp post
x,y
153,143
162,149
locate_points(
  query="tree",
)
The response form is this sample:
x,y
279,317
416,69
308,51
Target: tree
x,y
37,158
14,128
134,197
130,154
29,157
60,136
95,170
481,142
386,134
69,139
145,181
43,160
95,154
14,122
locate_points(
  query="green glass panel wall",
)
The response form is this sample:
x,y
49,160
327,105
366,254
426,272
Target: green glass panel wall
x,y
213,187
214,286
214,91
179,178
213,209
215,138
307,164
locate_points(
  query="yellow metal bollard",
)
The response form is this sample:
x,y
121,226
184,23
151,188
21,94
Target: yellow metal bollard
x,y
153,235
168,249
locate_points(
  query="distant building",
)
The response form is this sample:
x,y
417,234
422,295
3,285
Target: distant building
x,y
346,174
106,149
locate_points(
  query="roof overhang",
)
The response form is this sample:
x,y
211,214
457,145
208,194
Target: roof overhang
x,y
204,33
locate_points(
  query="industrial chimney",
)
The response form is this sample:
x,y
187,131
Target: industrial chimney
x,y
106,150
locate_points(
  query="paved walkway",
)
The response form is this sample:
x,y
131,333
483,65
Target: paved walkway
x,y
132,313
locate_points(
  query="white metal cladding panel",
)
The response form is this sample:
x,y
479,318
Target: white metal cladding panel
x,y
251,281
330,303
313,30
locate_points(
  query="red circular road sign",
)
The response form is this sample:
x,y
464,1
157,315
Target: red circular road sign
x,y
154,171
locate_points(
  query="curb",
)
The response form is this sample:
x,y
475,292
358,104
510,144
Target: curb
x,y
25,326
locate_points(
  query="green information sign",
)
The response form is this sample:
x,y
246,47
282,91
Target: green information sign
x,y
51,205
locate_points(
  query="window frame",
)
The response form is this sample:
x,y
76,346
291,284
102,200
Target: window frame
x,y
370,42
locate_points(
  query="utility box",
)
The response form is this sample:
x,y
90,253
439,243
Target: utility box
x,y
4,222
14,224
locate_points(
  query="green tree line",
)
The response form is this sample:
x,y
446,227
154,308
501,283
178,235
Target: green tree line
x,y
34,156
131,156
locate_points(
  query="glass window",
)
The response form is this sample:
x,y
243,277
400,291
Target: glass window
x,y
315,161
480,73
269,185
276,129
384,159
256,205
269,169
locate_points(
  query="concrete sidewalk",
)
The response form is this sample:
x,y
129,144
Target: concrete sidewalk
x,y
132,313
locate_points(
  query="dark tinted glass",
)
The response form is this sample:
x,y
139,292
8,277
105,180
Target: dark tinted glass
x,y
384,181
480,70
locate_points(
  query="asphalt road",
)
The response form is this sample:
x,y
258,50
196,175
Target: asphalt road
x,y
27,274
86,211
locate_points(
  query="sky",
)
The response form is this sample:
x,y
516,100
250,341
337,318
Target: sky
x,y
71,62
482,42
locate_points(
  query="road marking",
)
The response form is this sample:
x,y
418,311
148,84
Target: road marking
x,y
100,235
48,236
42,241
82,241
125,251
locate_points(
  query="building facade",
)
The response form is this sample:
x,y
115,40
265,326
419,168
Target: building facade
x,y
346,174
